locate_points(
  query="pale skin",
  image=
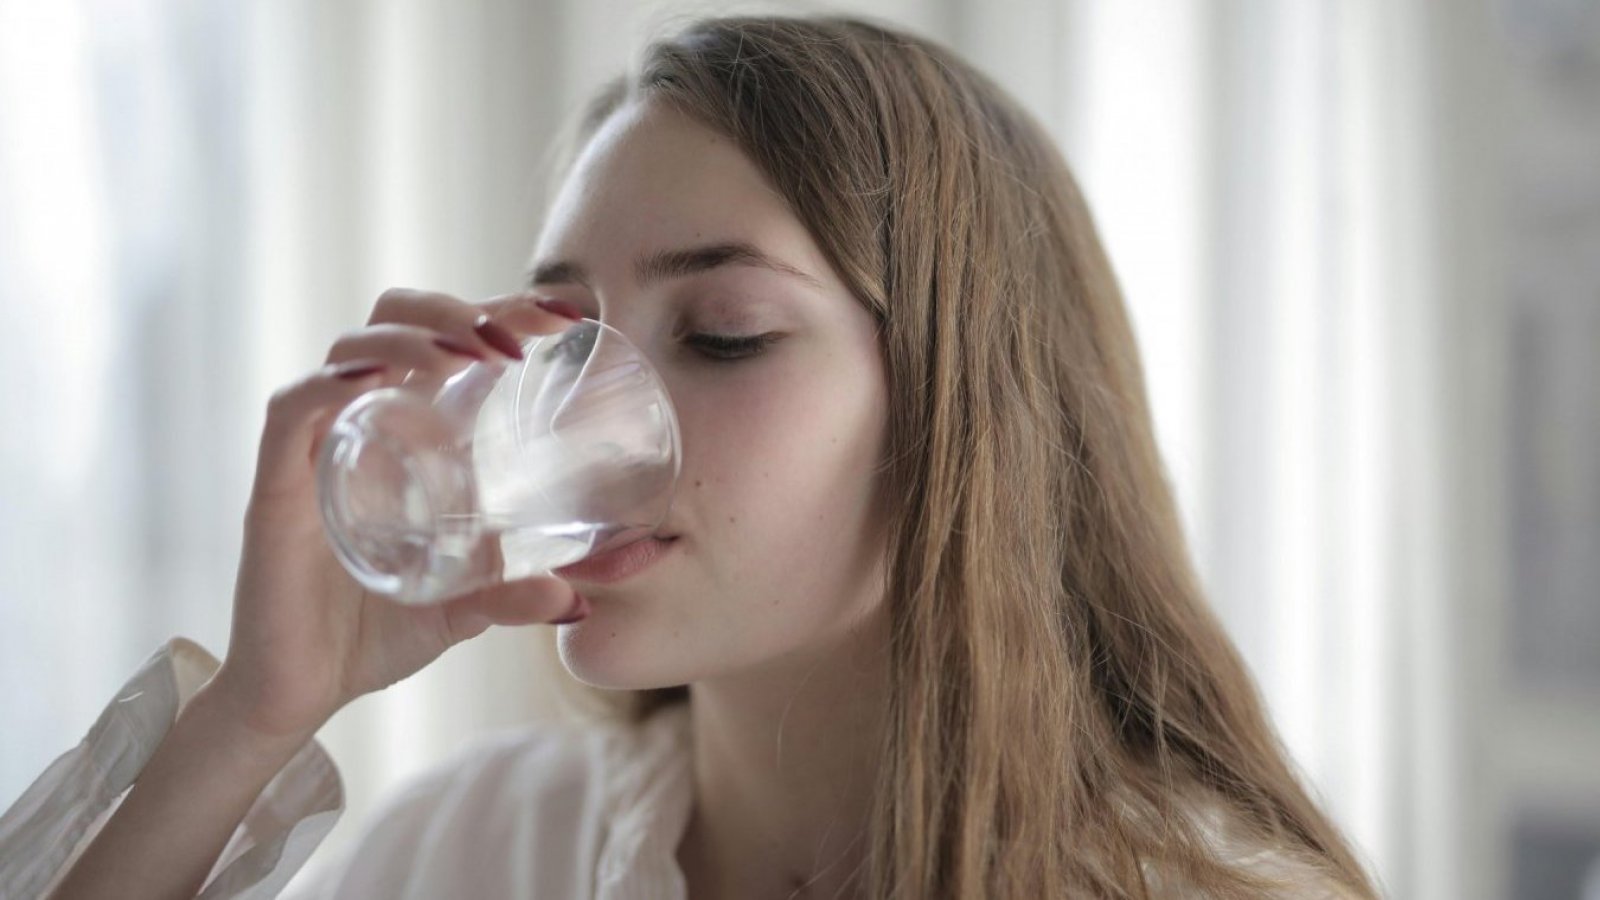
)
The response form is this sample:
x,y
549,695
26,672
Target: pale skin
x,y
769,604
305,638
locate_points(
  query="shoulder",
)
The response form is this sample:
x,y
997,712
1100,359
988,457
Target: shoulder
x,y
471,818
547,761
561,769
556,762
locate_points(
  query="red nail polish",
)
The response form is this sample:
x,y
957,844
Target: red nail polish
x,y
357,369
560,308
498,337
451,345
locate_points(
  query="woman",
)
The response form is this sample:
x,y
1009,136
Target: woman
x,y
926,625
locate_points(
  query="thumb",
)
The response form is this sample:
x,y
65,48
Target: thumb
x,y
527,601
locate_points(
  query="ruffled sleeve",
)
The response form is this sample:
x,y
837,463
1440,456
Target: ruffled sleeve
x,y
57,816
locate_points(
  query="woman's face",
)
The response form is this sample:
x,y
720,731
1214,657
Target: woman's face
x,y
779,548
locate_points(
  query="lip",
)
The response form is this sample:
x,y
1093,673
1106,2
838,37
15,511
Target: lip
x,y
622,562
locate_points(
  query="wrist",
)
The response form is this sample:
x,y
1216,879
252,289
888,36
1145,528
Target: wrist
x,y
223,714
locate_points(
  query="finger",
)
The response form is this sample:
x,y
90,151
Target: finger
x,y
542,599
531,312
407,346
299,413
507,314
433,309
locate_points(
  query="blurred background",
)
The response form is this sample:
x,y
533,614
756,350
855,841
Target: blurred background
x,y
1360,240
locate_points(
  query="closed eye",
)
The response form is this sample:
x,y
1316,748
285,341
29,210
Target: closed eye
x,y
730,347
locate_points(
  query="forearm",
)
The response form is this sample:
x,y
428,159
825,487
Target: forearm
x,y
169,830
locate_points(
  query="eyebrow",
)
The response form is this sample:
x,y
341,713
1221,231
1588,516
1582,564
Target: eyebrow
x,y
674,263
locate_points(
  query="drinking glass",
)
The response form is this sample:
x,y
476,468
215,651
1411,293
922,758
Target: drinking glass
x,y
510,469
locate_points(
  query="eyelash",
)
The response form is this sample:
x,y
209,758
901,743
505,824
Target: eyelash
x,y
736,347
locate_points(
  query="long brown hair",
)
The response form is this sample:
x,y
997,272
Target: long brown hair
x,y
1066,715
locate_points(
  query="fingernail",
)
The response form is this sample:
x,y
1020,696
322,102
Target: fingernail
x,y
357,369
452,345
498,337
579,611
560,308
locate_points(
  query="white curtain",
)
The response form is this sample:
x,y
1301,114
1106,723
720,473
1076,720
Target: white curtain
x,y
196,199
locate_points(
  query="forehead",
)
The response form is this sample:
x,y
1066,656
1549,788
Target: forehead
x,y
652,178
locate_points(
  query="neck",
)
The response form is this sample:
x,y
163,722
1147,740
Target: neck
x,y
783,766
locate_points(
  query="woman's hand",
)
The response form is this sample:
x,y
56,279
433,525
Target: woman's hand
x,y
306,637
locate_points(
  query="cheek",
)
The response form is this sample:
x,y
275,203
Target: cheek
x,y
776,493
778,471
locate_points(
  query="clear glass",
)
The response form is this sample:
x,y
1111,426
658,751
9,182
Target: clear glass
x,y
510,469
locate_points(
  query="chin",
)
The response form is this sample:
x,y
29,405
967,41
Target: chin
x,y
615,655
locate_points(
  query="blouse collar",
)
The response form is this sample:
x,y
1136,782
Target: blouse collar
x,y
649,781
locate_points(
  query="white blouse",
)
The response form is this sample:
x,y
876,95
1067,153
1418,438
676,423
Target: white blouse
x,y
543,811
